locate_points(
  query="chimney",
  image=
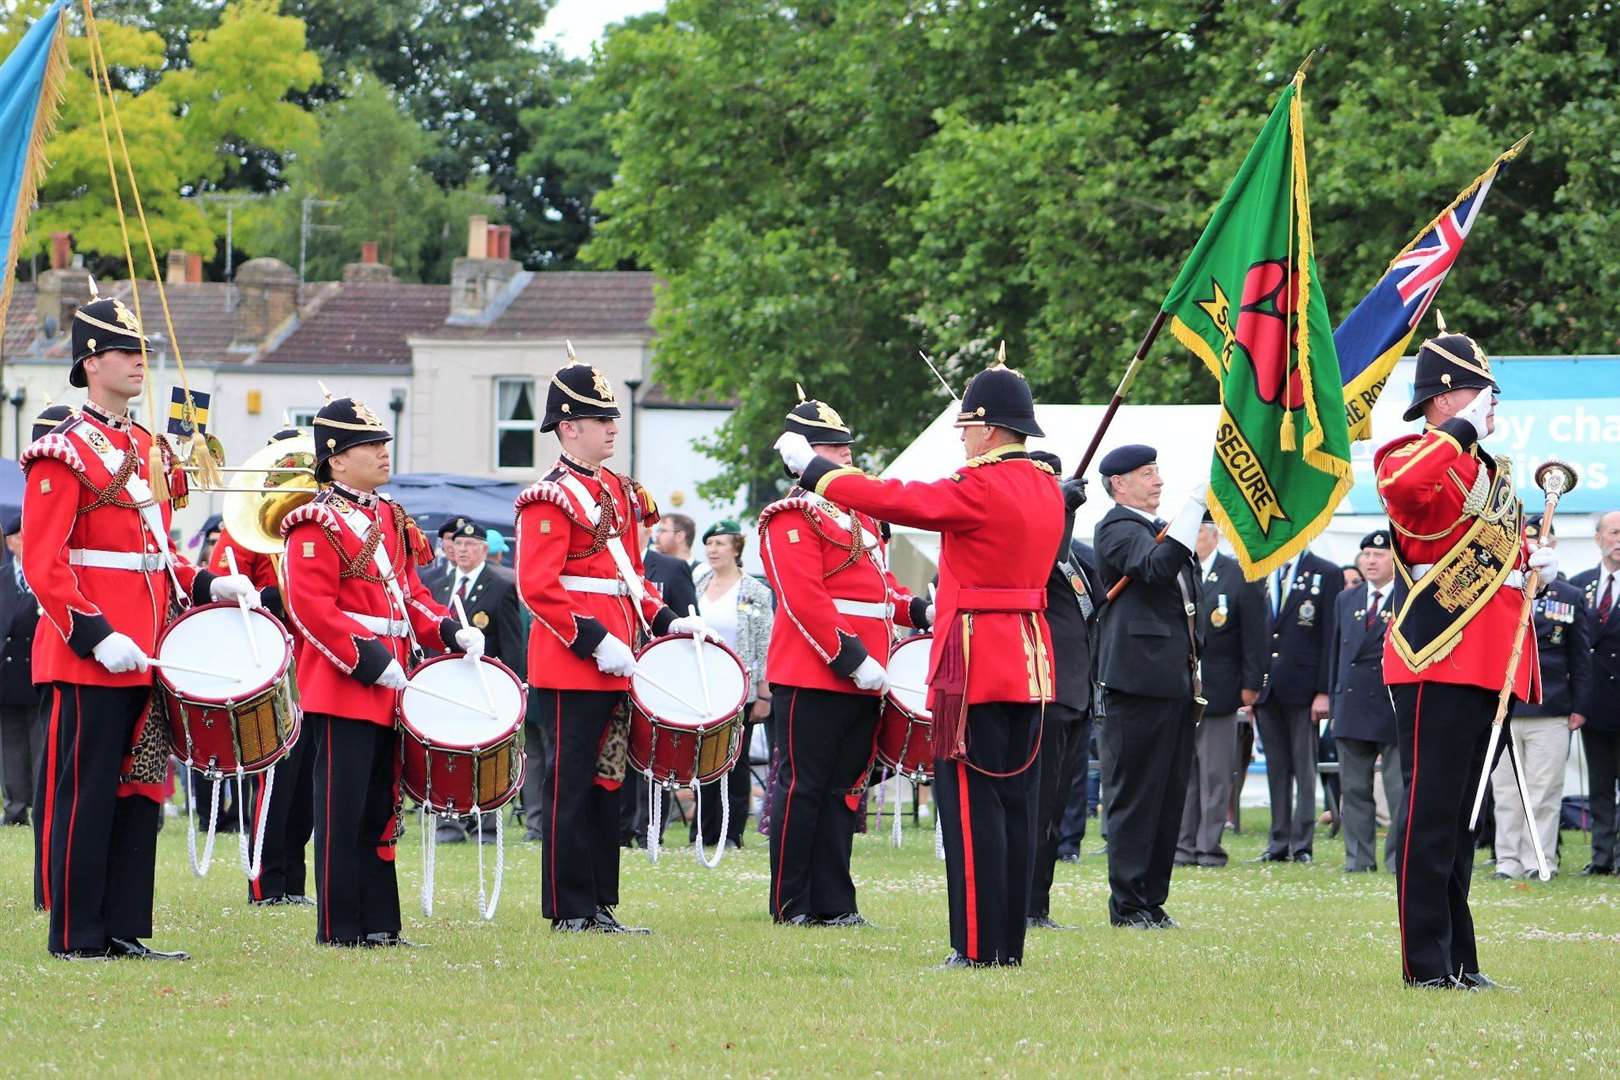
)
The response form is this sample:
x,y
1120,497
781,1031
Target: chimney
x,y
61,250
268,297
59,292
194,270
478,279
368,270
177,268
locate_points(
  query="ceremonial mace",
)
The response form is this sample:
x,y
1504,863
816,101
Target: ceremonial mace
x,y
1554,479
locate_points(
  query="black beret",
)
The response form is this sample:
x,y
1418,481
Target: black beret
x,y
1209,518
451,527
1049,459
1124,459
468,530
13,524
1378,538
1532,526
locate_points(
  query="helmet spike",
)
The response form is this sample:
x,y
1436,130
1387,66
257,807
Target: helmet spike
x,y
1439,321
800,388
1001,354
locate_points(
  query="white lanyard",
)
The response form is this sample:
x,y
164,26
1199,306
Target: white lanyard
x,y
359,524
615,545
140,493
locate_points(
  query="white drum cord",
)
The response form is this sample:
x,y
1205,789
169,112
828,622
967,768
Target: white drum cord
x,y
725,821
200,868
487,910
428,826
655,824
252,866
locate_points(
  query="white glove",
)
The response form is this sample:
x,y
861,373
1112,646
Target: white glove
x,y
871,676
1199,493
233,588
694,625
392,677
1184,526
118,653
613,657
929,614
1544,561
795,451
470,640
1476,411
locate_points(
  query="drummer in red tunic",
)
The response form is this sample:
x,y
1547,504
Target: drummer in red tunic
x,y
838,605
1459,545
579,574
97,556
1000,519
362,617
287,819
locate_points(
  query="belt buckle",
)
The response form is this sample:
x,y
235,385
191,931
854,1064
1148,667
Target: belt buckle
x,y
1190,609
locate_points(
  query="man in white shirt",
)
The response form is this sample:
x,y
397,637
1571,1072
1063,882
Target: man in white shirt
x,y
1600,734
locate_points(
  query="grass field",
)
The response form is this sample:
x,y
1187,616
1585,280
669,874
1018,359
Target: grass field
x,y
1277,970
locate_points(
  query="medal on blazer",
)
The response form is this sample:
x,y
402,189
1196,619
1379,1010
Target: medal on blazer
x,y
1217,618
1307,613
481,619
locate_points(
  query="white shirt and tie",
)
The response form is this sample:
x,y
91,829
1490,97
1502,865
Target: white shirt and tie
x,y
1377,597
461,581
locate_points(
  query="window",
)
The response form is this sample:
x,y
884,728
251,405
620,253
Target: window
x,y
304,419
514,423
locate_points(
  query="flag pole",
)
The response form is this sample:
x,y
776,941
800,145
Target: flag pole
x,y
1120,392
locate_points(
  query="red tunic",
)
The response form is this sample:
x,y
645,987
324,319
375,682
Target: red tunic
x,y
820,558
1000,519
259,567
561,554
328,584
67,473
1423,481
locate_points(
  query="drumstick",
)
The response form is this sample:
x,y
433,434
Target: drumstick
x,y
170,665
641,673
241,605
703,671
478,667
448,700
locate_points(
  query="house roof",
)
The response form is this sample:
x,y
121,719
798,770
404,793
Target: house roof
x,y
569,303
204,321
362,323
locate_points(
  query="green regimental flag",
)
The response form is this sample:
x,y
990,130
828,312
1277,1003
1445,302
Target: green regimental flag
x,y
1282,446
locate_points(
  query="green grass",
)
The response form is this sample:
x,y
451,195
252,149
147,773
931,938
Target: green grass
x,y
1277,970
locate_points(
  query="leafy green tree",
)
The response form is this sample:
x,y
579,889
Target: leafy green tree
x,y
826,187
371,159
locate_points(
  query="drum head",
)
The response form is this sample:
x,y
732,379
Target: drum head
x,y
213,638
908,674
669,682
462,727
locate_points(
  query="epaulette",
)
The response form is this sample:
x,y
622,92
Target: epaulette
x,y
55,445
1402,446
801,503
315,510
543,491
642,501
1043,466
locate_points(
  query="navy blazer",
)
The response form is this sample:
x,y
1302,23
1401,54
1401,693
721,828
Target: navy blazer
x,y
1142,635
1602,697
1564,642
19,616
1355,666
1235,625
1299,632
1071,628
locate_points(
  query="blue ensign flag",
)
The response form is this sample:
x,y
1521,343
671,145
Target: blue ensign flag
x,y
30,87
1375,335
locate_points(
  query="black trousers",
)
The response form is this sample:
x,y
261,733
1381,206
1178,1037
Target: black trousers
x,y
1146,749
44,778
356,794
103,848
19,760
1602,768
579,865
737,788
533,796
1290,738
987,810
1064,738
1079,807
1442,732
287,820
826,750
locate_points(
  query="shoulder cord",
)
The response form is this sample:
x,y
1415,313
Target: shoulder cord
x,y
608,526
113,493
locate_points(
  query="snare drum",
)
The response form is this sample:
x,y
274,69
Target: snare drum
x,y
905,731
686,718
242,716
455,757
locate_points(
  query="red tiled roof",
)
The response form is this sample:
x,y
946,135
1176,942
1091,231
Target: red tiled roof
x,y
364,323
571,303
204,321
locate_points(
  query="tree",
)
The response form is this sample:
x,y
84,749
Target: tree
x,y
371,159
826,187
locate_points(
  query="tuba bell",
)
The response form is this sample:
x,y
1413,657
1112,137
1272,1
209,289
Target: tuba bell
x,y
271,484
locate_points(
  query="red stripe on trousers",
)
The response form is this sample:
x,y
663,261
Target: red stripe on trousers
x,y
73,813
1406,838
787,808
256,886
326,845
50,799
556,774
970,887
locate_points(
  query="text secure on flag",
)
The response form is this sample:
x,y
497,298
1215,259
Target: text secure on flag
x,y
1249,303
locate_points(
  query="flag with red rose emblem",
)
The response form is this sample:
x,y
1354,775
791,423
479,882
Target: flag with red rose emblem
x,y
1249,303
